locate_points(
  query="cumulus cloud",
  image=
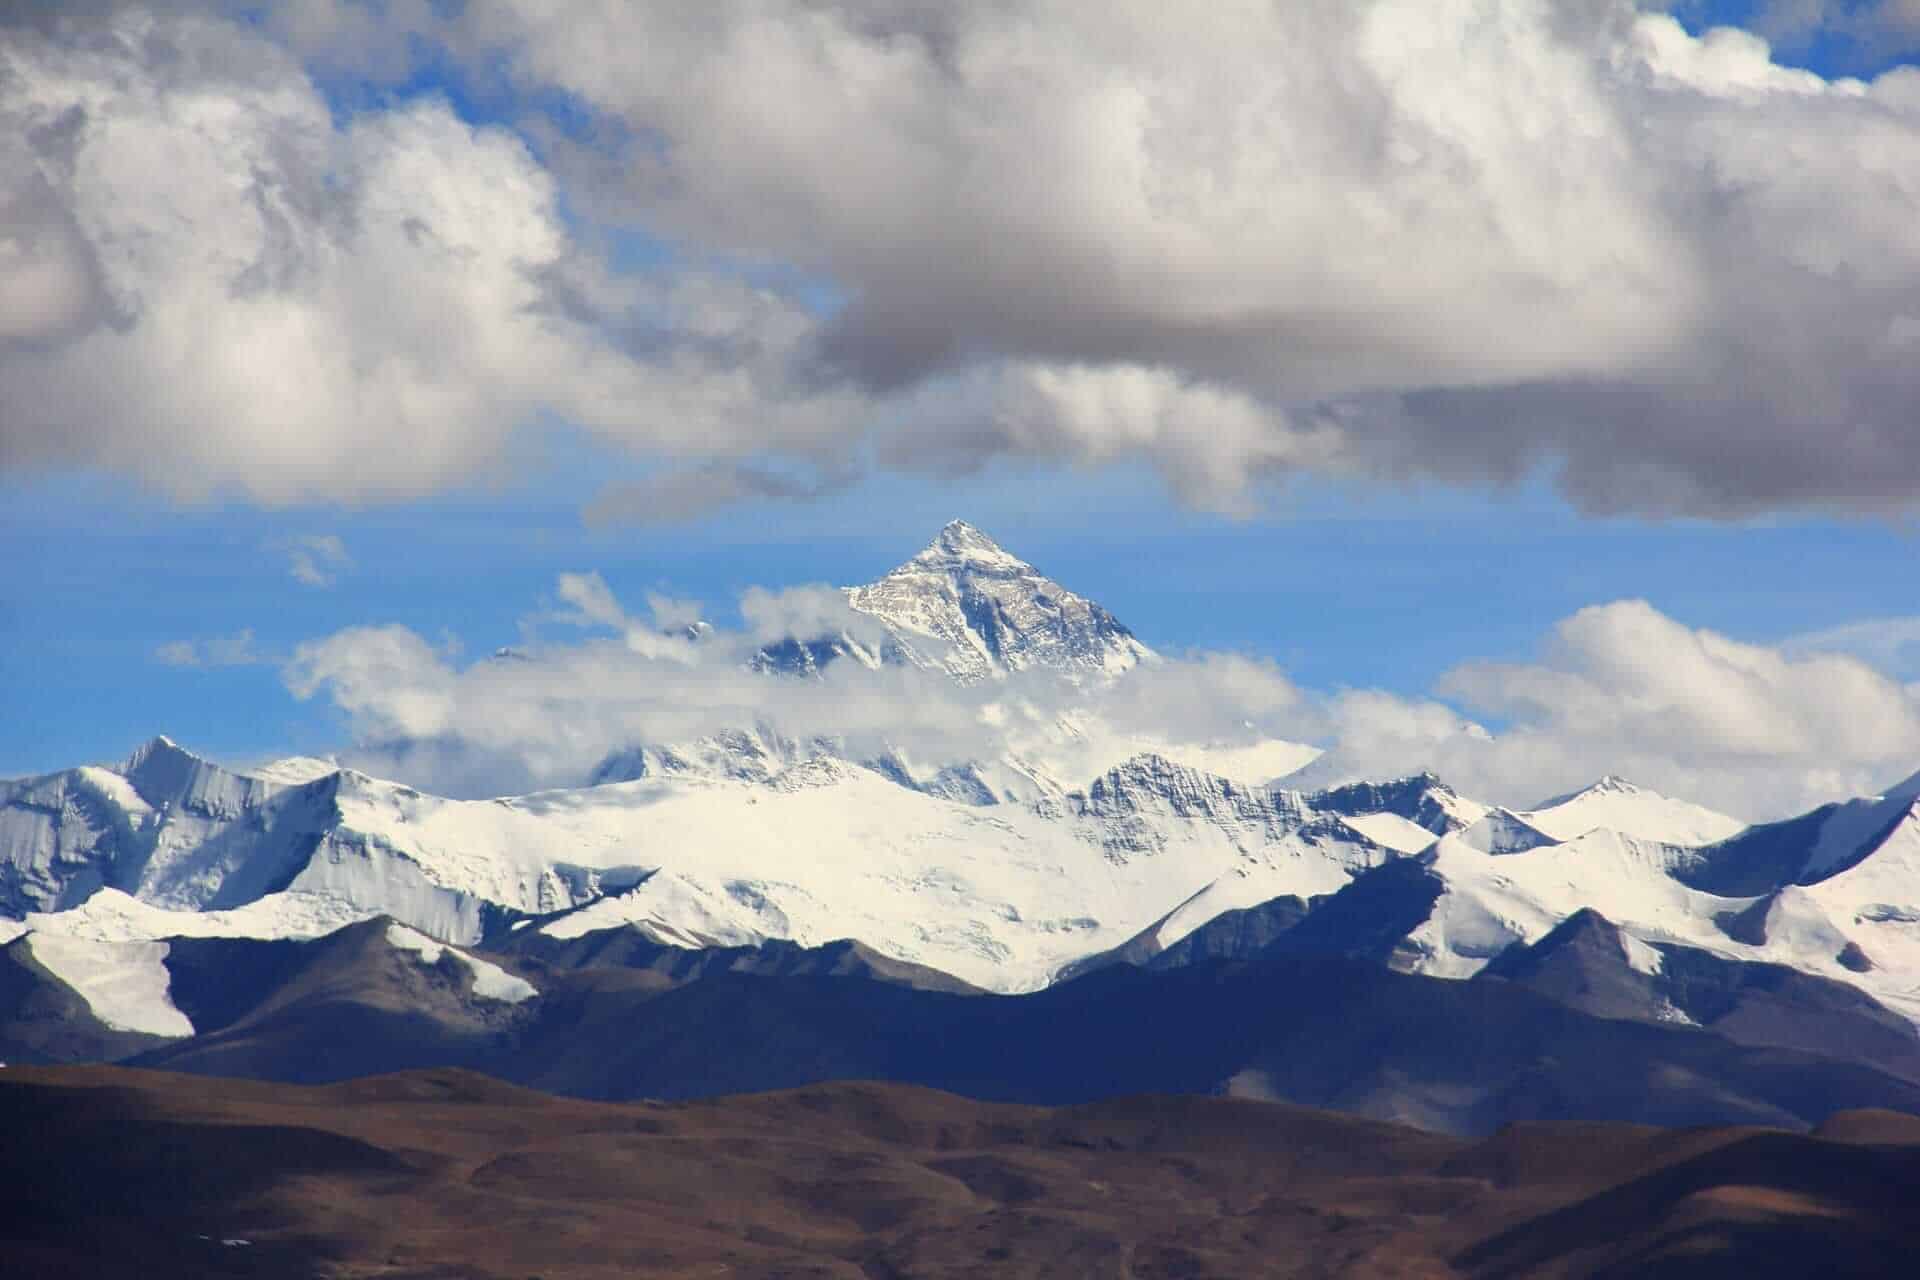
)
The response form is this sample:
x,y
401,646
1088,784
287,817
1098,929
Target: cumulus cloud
x,y
1467,240
1759,731
1463,239
214,284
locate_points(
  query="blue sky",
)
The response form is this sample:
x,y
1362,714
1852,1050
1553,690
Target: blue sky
x,y
1430,541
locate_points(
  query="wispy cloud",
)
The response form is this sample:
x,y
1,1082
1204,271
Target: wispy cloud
x,y
316,560
1892,644
234,650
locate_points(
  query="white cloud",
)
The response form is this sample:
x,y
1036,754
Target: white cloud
x,y
1889,644
1460,239
1463,238
550,713
234,650
317,560
1758,731
217,287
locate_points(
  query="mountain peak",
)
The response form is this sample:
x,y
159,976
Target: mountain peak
x,y
991,613
1611,784
162,770
960,544
158,747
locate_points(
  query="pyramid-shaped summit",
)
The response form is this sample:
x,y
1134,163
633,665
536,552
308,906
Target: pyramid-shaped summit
x,y
968,606
960,543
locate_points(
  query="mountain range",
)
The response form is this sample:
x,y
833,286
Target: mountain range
x,y
752,911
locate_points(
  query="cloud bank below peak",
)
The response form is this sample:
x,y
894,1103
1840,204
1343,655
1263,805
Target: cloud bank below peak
x,y
1457,240
1621,688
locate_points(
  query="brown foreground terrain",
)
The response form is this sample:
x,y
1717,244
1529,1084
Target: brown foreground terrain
x,y
107,1172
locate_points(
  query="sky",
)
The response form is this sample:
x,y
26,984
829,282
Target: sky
x,y
1524,389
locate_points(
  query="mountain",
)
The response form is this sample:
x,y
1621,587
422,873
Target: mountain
x,y
966,605
1406,813
1455,907
1614,804
753,853
1588,963
1002,896
999,896
166,826
1289,1025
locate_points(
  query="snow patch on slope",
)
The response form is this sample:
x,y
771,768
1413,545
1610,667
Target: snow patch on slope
x,y
294,771
113,916
125,984
1391,830
490,981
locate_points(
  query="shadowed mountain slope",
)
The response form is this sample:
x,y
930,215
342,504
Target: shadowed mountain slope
x,y
1325,1031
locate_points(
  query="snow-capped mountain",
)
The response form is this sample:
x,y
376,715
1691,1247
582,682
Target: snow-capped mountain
x,y
1834,894
1001,896
1004,873
1004,896
1614,804
966,609
966,606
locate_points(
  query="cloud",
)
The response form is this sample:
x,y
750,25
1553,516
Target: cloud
x,y
235,650
553,710
1877,28
680,494
317,560
1459,240
1465,240
217,286
1759,731
805,612
1889,644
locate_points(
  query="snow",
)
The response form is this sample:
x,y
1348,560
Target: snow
x,y
1848,829
113,916
294,771
1391,830
966,606
1492,900
1001,895
1615,804
1641,957
490,981
1255,762
1503,831
125,984
1239,889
